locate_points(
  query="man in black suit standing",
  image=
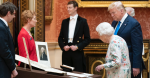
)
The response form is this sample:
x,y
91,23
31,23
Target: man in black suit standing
x,y
70,38
7,51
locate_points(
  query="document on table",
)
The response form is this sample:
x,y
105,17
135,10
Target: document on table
x,y
38,65
49,69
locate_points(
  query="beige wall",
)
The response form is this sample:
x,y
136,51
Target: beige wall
x,y
1,1
55,54
32,5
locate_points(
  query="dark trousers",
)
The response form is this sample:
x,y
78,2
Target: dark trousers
x,y
74,59
138,76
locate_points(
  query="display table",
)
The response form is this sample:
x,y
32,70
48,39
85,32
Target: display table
x,y
26,73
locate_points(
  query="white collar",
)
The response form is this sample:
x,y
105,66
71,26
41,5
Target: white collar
x,y
4,21
124,17
75,17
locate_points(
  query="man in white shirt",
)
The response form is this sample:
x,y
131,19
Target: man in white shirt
x,y
74,36
7,51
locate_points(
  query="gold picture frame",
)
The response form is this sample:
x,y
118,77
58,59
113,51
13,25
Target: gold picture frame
x,y
50,17
107,3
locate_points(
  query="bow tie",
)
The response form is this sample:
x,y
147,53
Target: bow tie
x,y
71,17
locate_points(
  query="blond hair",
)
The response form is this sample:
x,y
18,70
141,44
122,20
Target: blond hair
x,y
27,14
117,4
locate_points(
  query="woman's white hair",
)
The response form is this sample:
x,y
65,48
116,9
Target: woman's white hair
x,y
131,10
105,28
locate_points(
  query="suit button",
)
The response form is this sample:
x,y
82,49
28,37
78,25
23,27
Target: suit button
x,y
63,38
64,42
79,37
78,41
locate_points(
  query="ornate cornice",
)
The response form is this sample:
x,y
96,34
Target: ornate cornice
x,y
107,3
50,18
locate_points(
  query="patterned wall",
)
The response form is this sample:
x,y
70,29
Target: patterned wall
x,y
24,6
48,7
39,29
94,16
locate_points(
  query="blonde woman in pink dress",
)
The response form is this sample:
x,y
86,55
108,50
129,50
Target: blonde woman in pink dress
x,y
117,58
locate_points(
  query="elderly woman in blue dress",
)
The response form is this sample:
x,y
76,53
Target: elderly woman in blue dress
x,y
117,58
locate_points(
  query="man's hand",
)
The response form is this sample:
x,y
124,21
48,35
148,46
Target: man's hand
x,y
66,48
11,75
14,73
136,71
99,67
73,48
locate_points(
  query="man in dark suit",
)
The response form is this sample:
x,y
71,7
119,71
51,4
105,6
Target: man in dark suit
x,y
70,39
7,52
43,55
130,29
131,12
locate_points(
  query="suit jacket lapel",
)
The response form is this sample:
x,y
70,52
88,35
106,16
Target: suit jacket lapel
x,y
7,28
67,27
125,23
115,24
77,26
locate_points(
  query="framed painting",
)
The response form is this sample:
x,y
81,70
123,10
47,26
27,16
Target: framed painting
x,y
49,8
42,53
106,3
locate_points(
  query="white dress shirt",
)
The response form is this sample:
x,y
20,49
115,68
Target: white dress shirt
x,y
122,20
72,26
4,21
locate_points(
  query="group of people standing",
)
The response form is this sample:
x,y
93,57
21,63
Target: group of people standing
x,y
124,35
7,49
124,54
